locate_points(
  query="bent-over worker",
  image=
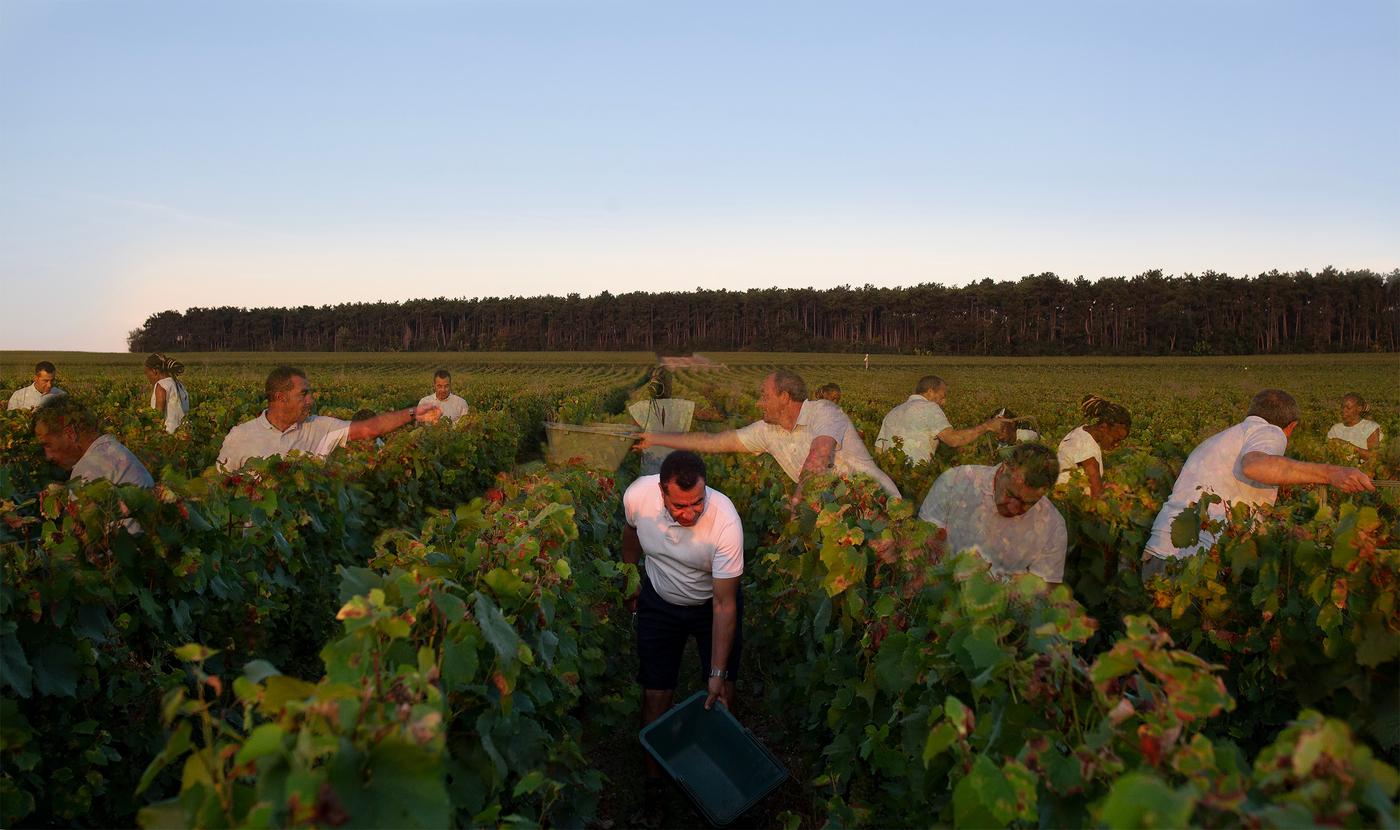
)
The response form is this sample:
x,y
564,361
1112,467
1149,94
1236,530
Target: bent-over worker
x,y
691,541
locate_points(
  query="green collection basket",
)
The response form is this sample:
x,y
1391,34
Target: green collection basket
x,y
719,764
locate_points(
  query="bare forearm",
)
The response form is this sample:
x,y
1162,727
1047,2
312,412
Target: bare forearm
x,y
722,628
1276,469
962,437
727,441
631,546
380,424
1091,471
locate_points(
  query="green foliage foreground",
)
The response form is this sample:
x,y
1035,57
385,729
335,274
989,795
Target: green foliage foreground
x,y
399,637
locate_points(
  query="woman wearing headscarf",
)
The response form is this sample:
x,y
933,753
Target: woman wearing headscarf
x,y
168,395
1106,425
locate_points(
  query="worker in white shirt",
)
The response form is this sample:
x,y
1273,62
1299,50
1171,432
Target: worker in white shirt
x,y
1002,513
921,424
1243,464
287,424
1355,428
452,406
38,393
168,394
1107,424
693,542
805,437
68,432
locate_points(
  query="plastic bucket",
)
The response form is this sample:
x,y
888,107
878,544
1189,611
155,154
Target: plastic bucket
x,y
719,764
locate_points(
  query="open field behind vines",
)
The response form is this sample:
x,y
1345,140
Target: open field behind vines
x,y
430,633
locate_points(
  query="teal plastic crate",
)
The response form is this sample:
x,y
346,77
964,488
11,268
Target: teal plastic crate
x,y
721,766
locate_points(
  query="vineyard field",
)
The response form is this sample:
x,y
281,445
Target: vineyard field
x,y
430,632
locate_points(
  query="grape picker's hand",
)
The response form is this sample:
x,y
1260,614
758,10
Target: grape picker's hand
x,y
1349,480
719,690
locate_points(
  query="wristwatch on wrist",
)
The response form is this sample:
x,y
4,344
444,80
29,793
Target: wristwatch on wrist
x,y
721,673
413,414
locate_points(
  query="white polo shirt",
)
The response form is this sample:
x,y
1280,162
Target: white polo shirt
x,y
963,502
683,562
452,408
1075,448
258,438
30,398
1356,434
1215,467
106,458
177,402
817,418
918,421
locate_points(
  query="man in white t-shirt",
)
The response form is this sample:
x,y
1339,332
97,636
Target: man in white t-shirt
x,y
920,423
68,432
452,406
693,542
287,424
805,437
38,393
1355,429
1003,514
1243,464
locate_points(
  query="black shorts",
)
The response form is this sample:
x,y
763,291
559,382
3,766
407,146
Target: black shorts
x,y
662,632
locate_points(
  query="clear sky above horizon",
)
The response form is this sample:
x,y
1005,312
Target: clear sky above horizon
x,y
159,155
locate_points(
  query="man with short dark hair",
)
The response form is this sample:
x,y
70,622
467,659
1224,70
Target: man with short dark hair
x,y
287,424
693,543
452,406
920,423
805,437
1002,513
68,432
38,393
1243,464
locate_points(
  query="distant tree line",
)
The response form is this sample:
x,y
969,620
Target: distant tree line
x,y
1151,313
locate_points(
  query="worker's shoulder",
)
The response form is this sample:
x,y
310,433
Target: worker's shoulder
x,y
718,500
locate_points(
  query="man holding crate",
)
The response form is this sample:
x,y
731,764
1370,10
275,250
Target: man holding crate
x,y
693,541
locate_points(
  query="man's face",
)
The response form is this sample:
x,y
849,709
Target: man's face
x,y
43,381
685,506
294,403
939,395
1013,496
771,402
1351,412
442,387
60,444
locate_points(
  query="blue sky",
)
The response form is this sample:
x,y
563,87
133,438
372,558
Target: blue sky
x,y
160,155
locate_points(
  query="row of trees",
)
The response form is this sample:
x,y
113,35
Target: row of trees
x,y
1151,313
